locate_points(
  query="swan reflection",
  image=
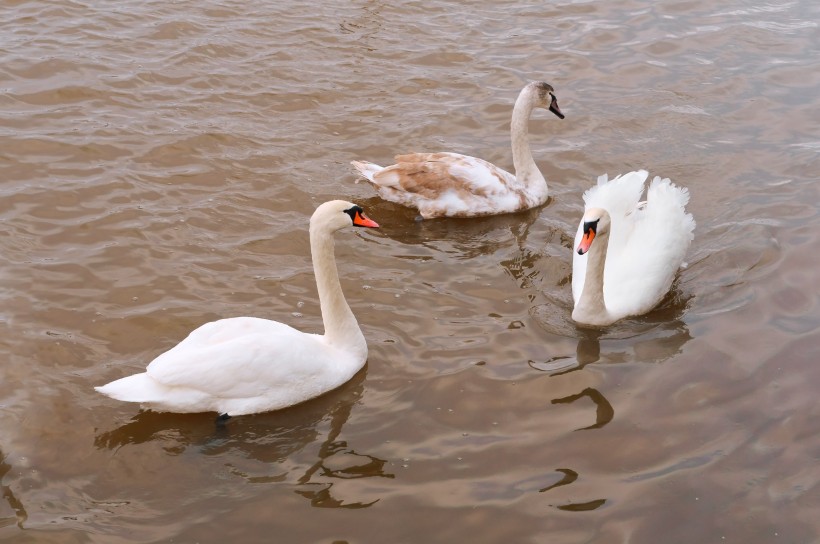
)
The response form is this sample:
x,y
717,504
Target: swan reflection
x,y
604,412
20,514
272,439
568,477
462,238
646,342
354,465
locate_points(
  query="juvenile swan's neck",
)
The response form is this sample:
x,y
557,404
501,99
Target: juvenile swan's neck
x,y
341,328
526,171
591,307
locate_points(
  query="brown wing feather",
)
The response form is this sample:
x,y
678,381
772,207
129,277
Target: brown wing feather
x,y
430,174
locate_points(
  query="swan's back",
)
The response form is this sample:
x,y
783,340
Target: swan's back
x,y
448,184
241,357
238,365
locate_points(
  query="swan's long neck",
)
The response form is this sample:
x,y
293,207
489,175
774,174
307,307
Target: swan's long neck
x,y
526,171
591,307
341,328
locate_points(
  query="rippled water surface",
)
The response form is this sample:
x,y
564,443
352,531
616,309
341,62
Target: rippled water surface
x,y
159,162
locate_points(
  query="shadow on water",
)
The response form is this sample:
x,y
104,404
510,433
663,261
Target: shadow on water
x,y
271,438
20,514
652,337
464,238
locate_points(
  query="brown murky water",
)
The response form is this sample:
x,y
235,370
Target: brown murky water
x,y
158,165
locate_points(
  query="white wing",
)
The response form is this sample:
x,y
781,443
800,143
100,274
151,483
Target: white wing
x,y
641,267
243,357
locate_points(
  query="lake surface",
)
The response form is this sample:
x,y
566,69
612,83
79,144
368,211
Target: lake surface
x,y
159,162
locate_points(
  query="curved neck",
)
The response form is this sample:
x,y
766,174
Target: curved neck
x,y
341,327
526,171
591,307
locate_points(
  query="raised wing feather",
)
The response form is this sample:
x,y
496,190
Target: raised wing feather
x,y
640,271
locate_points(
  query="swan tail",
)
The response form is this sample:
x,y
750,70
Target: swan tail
x,y
137,388
367,169
144,389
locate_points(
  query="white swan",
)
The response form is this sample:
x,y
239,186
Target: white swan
x,y
453,185
628,251
246,365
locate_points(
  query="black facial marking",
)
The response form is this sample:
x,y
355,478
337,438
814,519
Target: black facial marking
x,y
591,226
353,211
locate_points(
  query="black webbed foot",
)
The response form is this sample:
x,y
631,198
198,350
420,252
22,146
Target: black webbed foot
x,y
221,419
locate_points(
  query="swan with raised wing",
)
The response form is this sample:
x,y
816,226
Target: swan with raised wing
x,y
628,251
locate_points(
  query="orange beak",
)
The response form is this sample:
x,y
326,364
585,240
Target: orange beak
x,y
361,220
586,241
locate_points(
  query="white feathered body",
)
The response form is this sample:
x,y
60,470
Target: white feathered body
x,y
239,365
647,241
